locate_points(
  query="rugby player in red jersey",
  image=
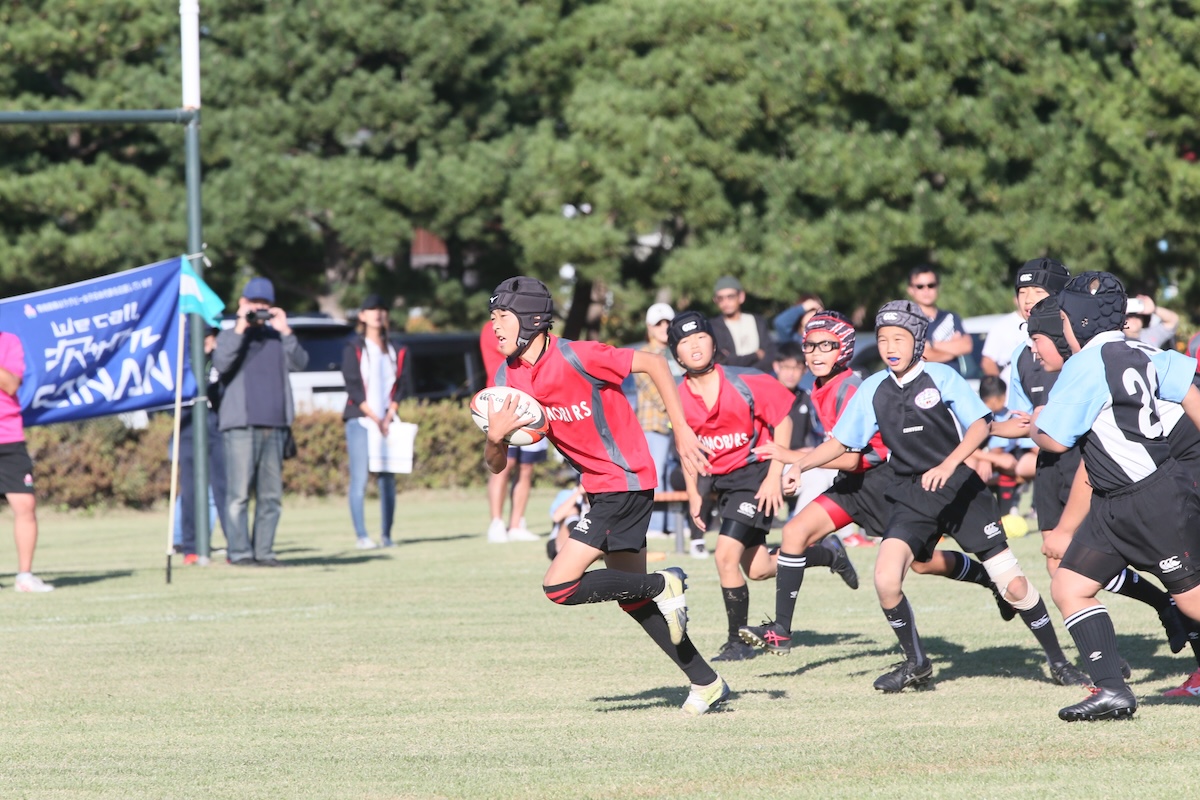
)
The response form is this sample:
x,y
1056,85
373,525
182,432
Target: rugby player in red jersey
x,y
594,427
733,410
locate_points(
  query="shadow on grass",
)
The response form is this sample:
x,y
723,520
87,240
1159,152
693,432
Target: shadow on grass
x,y
806,641
64,579
668,697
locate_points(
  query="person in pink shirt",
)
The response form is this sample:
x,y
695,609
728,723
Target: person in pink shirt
x,y
16,468
595,429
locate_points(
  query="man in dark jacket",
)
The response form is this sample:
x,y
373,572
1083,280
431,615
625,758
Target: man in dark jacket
x,y
741,339
253,359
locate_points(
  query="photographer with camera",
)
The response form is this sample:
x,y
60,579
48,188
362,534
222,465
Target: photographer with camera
x,y
253,359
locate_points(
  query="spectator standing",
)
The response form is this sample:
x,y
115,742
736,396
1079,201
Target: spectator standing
x,y
253,359
16,468
377,375
216,461
946,341
742,340
523,459
650,408
1149,323
1002,340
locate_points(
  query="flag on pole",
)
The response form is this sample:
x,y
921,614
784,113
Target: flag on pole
x,y
195,296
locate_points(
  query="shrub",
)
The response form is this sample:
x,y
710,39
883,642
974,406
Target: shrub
x,y
101,463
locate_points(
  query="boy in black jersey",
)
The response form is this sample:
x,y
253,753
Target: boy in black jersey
x,y
931,422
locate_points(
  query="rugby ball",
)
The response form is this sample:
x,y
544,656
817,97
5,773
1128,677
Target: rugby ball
x,y
536,425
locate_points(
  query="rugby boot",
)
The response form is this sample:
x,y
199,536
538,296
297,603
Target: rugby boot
x,y
1101,704
770,636
1064,673
702,699
906,674
841,566
672,602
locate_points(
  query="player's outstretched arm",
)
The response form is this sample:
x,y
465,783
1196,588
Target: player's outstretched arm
x,y
1015,427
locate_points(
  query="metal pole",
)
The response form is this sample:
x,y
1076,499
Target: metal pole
x,y
199,360
177,115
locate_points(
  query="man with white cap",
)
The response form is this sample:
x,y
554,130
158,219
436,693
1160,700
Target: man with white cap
x,y
650,409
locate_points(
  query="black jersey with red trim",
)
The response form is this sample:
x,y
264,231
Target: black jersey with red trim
x,y
591,422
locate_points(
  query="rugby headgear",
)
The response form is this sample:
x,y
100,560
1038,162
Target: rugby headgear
x,y
1094,302
908,315
1047,273
684,325
530,302
1044,319
834,323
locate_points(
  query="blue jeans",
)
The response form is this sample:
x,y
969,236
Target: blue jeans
x,y
356,447
253,463
662,447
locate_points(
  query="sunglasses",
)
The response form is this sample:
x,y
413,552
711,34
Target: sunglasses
x,y
825,346
933,285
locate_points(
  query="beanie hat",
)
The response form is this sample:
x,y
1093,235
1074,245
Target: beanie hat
x,y
529,300
1094,302
1047,273
834,323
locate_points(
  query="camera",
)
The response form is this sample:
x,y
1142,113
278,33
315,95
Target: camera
x,y
258,316
1134,305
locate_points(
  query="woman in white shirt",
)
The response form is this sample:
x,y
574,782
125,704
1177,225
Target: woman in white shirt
x,y
376,375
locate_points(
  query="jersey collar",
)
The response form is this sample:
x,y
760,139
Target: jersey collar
x,y
910,376
1103,338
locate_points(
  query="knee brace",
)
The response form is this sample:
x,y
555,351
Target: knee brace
x,y
1003,569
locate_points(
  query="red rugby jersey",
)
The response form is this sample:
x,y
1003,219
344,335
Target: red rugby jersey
x,y
831,400
591,422
727,428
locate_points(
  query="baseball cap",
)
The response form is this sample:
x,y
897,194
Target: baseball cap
x,y
658,312
728,282
259,289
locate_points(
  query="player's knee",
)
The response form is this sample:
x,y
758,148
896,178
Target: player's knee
x,y
561,593
1005,572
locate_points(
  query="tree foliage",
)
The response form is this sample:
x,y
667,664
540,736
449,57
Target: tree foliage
x,y
823,146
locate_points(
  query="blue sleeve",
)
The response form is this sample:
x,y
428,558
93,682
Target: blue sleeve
x,y
957,394
786,320
1076,400
1017,399
1175,373
858,422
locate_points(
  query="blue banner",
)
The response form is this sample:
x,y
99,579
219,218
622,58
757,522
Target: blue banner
x,y
99,347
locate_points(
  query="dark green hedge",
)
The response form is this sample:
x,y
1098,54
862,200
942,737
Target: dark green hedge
x,y
100,463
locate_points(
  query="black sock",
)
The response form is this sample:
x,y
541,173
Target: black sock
x,y
737,608
1096,640
905,628
1037,619
818,556
966,569
684,655
789,574
602,585
1130,584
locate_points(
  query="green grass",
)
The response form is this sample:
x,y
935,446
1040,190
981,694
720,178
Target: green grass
x,y
438,669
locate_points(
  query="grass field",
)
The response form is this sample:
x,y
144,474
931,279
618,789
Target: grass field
x,y
438,669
